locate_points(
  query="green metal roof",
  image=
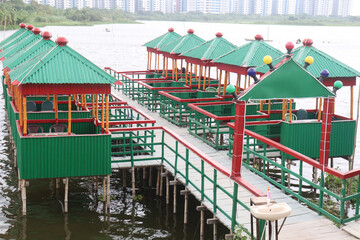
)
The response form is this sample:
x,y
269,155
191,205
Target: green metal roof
x,y
163,40
183,44
20,45
289,80
249,55
12,36
17,39
211,49
60,65
322,61
28,53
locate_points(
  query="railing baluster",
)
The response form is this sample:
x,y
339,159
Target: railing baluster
x,y
342,202
214,191
202,180
187,167
234,206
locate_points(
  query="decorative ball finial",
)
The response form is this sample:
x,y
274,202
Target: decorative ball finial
x,y
289,47
190,31
308,61
22,25
323,74
30,27
268,61
258,37
337,85
219,34
61,41
252,73
308,42
46,35
170,29
36,31
230,88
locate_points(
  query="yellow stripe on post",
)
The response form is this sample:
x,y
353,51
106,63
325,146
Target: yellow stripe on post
x,y
269,107
69,114
107,113
320,106
20,111
290,110
102,111
25,117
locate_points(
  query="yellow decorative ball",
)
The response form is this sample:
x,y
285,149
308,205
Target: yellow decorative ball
x,y
309,60
267,59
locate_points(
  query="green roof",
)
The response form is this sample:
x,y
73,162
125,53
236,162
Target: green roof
x,y
183,44
163,40
60,65
20,45
249,55
323,61
289,80
12,36
28,53
211,49
17,39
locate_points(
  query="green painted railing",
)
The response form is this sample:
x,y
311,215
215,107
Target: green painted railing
x,y
257,148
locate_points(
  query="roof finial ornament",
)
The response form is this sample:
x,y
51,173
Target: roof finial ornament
x,y
268,61
324,74
337,85
289,47
252,73
308,61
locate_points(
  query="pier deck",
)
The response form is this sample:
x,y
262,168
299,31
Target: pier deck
x,y
303,223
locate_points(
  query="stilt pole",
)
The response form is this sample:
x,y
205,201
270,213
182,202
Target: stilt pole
x,y
66,195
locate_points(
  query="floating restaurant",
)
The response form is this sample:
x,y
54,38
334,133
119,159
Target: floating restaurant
x,y
235,128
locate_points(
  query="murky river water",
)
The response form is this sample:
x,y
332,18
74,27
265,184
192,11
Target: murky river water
x,y
148,218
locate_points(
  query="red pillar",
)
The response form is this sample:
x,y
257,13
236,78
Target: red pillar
x,y
325,130
238,138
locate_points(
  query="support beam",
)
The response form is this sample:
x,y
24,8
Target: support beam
x,y
108,192
69,114
326,130
66,195
23,195
238,138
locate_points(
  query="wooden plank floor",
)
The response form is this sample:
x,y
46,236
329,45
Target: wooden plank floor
x,y
303,223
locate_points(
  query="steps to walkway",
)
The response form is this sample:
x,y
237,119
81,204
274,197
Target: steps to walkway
x,y
303,223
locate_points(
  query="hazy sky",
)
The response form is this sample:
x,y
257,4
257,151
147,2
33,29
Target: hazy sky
x,y
356,8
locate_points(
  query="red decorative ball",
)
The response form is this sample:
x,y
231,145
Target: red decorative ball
x,y
22,25
30,27
259,37
61,41
308,42
289,45
170,29
36,31
219,34
190,31
46,35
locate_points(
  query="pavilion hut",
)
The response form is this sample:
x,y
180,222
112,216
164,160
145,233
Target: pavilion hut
x,y
315,61
31,39
304,131
53,141
242,58
154,45
202,55
19,37
177,47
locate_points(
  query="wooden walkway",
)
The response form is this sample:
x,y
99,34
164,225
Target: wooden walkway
x,y
303,223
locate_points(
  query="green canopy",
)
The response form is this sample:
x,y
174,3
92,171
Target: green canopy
x,y
17,39
183,43
211,49
59,65
12,36
163,40
31,39
249,55
288,80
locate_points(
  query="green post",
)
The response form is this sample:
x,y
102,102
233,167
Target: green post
x,y
233,215
162,147
187,167
247,152
342,202
215,188
202,180
176,157
300,179
282,169
131,151
321,196
357,198
264,161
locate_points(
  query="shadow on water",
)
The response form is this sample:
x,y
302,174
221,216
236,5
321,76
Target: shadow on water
x,y
147,217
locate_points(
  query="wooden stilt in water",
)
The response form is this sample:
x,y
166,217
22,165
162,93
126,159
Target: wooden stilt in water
x,y
57,183
202,210
104,190
158,182
23,196
124,178
161,182
167,188
66,195
174,183
108,192
96,183
214,221
150,176
186,193
133,182
144,173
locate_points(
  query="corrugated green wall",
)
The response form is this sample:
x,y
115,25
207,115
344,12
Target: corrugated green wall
x,y
305,138
68,156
